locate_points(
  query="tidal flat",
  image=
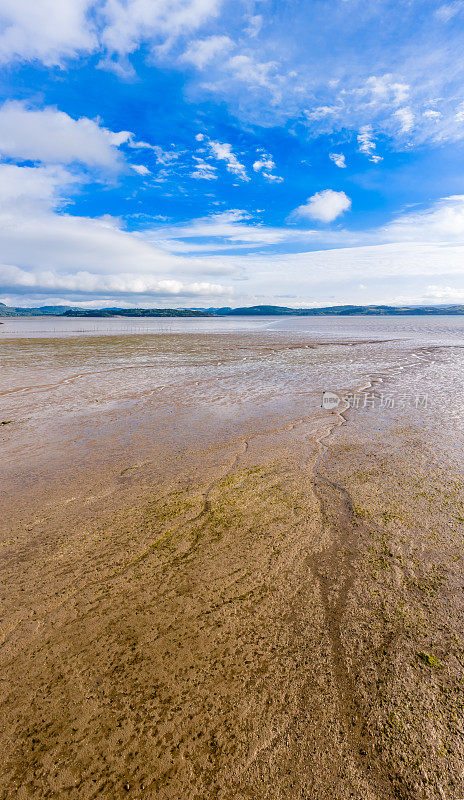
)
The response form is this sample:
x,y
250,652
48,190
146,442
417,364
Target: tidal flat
x,y
213,587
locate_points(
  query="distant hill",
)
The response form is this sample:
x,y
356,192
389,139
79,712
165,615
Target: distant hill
x,y
11,311
135,312
342,311
257,311
247,311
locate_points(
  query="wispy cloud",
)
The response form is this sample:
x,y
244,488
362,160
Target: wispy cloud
x,y
222,151
265,165
338,159
203,170
202,51
367,144
406,119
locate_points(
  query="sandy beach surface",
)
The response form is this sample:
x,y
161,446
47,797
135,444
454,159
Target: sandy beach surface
x,y
211,587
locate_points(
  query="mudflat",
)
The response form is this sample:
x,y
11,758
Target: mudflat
x,y
213,588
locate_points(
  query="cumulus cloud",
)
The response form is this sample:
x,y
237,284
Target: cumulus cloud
x,y
271,178
255,23
127,23
48,31
202,51
300,81
52,32
53,137
442,223
324,206
49,253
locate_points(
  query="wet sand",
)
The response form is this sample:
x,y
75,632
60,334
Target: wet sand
x,y
261,602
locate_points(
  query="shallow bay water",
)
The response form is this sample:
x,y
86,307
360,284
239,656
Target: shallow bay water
x,y
66,384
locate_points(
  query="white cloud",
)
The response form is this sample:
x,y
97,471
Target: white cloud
x,y
224,231
265,164
321,112
324,206
272,178
52,31
203,170
49,253
432,113
329,267
460,113
446,294
127,23
255,23
164,156
223,152
385,90
202,51
338,159
449,10
48,31
244,70
83,282
406,119
367,144
44,249
53,137
264,81
442,222
141,169
26,188
136,145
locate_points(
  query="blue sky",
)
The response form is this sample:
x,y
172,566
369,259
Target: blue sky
x,y
208,153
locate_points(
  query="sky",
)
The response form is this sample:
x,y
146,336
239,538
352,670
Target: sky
x,y
207,153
